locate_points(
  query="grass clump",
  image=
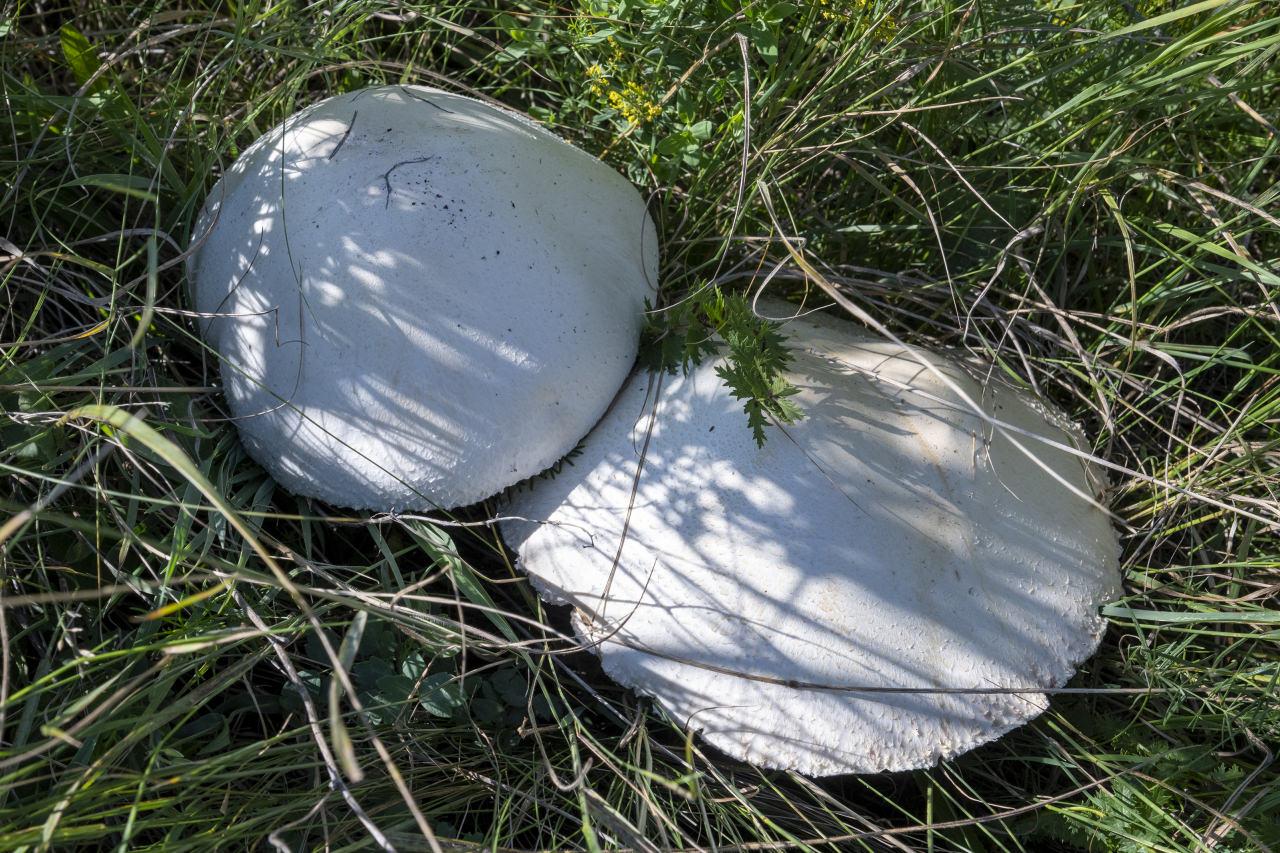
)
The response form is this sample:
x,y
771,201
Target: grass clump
x,y
1084,193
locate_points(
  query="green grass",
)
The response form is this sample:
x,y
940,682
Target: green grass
x,y
1085,193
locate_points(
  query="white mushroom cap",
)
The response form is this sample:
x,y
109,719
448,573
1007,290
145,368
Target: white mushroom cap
x,y
420,299
887,540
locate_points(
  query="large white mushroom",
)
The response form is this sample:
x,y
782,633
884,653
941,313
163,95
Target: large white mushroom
x,y
418,299
852,597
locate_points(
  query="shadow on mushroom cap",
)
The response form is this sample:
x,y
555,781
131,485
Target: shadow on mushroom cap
x,y
418,299
888,540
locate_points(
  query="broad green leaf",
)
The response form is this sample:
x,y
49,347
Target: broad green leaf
x,y
440,694
80,57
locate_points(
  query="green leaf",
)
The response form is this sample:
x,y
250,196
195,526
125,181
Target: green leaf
x,y
675,144
510,686
367,673
765,41
440,546
343,747
1183,617
1167,18
440,694
80,57
393,690
133,426
414,664
676,338
485,710
351,642
131,185
754,364
378,641
701,130
777,12
598,36
754,367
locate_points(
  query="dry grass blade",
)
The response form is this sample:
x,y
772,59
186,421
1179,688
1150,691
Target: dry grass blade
x,y
1081,194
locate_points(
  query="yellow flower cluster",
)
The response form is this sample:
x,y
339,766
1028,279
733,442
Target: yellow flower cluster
x,y
630,99
597,80
634,104
846,11
830,14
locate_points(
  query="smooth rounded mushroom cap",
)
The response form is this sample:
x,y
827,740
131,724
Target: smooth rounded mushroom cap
x,y
888,540
419,299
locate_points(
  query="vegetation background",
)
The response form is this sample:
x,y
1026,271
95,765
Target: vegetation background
x,y
1084,192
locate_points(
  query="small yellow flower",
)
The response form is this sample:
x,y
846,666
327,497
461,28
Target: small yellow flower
x,y
597,79
635,104
850,10
630,100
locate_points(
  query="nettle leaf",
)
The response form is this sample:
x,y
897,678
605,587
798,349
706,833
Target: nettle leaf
x,y
754,367
757,356
764,396
676,338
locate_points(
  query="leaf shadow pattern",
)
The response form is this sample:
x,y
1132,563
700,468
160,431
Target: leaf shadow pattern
x,y
397,293
883,585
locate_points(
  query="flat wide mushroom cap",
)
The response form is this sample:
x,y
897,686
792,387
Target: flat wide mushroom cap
x,y
418,299
889,541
